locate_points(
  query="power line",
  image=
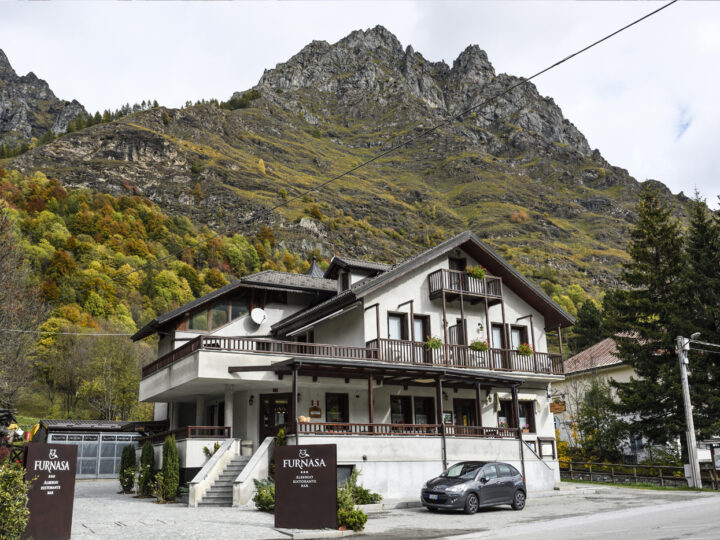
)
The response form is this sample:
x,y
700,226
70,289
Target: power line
x,y
15,331
523,81
704,343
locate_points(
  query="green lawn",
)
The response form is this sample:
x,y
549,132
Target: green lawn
x,y
639,485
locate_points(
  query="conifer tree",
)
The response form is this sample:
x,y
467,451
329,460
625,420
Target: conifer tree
x,y
589,328
170,468
646,320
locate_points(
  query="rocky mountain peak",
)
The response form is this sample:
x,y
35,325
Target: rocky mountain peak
x,y
373,39
473,63
29,108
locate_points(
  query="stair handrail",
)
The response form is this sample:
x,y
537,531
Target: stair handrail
x,y
541,460
210,471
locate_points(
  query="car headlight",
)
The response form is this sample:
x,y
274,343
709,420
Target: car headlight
x,y
455,489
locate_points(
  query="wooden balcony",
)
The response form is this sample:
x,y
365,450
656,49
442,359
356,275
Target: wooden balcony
x,y
389,350
399,430
454,283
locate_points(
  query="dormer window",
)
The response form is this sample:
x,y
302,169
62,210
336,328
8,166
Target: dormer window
x,y
217,314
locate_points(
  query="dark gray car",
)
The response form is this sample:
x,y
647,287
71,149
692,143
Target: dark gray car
x,y
470,485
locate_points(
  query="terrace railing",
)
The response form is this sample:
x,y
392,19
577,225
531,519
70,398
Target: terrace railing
x,y
190,432
385,350
420,430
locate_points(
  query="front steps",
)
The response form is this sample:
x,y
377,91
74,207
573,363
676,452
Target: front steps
x,y
220,493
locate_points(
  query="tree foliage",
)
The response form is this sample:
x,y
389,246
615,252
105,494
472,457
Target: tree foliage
x,y
146,476
589,327
127,468
14,513
170,469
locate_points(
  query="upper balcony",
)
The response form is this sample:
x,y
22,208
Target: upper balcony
x,y
455,283
386,350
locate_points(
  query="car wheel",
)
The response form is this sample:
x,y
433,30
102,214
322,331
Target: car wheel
x,y
471,504
519,500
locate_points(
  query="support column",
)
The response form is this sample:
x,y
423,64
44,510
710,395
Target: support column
x,y
438,399
174,416
505,354
559,333
479,404
371,405
516,408
445,329
200,410
377,323
488,326
229,409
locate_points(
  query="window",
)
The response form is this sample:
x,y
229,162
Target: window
x,y
505,415
527,415
336,408
518,336
507,470
344,281
219,314
498,339
458,264
276,297
397,326
198,321
424,410
466,471
400,412
489,472
421,327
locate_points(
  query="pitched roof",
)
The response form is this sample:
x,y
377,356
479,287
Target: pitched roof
x,y
266,279
315,269
337,263
554,315
598,356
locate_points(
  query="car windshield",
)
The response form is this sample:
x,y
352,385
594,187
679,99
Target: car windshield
x,y
466,471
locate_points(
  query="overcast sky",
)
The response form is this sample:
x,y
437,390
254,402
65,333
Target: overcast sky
x,y
649,99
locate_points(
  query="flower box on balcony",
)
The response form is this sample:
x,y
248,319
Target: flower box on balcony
x,y
480,345
478,272
525,349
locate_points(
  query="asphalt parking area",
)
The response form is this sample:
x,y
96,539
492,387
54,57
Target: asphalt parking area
x,y
101,512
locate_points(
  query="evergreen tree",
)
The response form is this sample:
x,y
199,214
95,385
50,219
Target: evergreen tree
x,y
645,319
589,328
127,468
170,468
701,308
147,470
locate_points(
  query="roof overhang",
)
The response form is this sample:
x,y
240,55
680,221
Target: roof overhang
x,y
394,374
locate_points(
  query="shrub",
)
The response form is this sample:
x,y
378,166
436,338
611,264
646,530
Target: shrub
x,y
146,477
480,345
283,193
210,453
345,499
264,497
170,468
127,468
261,166
352,519
519,217
14,513
359,493
281,438
159,488
240,102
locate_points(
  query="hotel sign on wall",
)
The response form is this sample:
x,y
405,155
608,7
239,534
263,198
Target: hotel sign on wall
x,y
306,486
557,407
51,470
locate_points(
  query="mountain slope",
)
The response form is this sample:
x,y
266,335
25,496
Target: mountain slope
x,y
29,109
516,172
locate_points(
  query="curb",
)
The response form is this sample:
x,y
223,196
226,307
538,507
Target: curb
x,y
315,533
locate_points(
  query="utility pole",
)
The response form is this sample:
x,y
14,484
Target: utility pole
x,y
683,346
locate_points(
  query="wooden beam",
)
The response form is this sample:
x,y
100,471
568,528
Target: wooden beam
x,y
294,403
479,404
371,415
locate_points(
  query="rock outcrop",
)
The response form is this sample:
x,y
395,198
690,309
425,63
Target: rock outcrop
x,y
28,108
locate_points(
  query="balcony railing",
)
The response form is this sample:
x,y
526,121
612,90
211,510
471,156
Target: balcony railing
x,y
456,282
462,356
190,432
418,430
390,350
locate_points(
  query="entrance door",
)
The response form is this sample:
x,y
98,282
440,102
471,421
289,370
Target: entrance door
x,y
498,342
465,415
274,414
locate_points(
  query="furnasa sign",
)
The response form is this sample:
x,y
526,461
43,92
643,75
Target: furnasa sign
x,y
306,486
52,463
50,468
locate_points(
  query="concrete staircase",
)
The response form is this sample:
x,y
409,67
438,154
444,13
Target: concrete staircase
x,y
220,493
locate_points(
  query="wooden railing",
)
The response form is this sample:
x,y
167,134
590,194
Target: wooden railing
x,y
454,281
619,473
462,356
190,432
390,350
347,428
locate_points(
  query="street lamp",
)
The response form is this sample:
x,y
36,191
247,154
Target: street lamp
x,y
683,346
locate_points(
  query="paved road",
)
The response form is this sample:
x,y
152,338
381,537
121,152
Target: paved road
x,y
617,513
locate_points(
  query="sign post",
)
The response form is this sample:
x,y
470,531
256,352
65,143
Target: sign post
x,y
306,486
51,470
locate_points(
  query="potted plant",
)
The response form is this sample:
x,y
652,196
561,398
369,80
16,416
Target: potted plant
x,y
525,349
526,428
433,343
480,345
502,424
478,272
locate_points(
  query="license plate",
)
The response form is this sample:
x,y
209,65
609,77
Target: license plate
x,y
432,497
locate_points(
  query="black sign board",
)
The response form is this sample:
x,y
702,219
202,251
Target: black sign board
x,y
51,469
306,486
